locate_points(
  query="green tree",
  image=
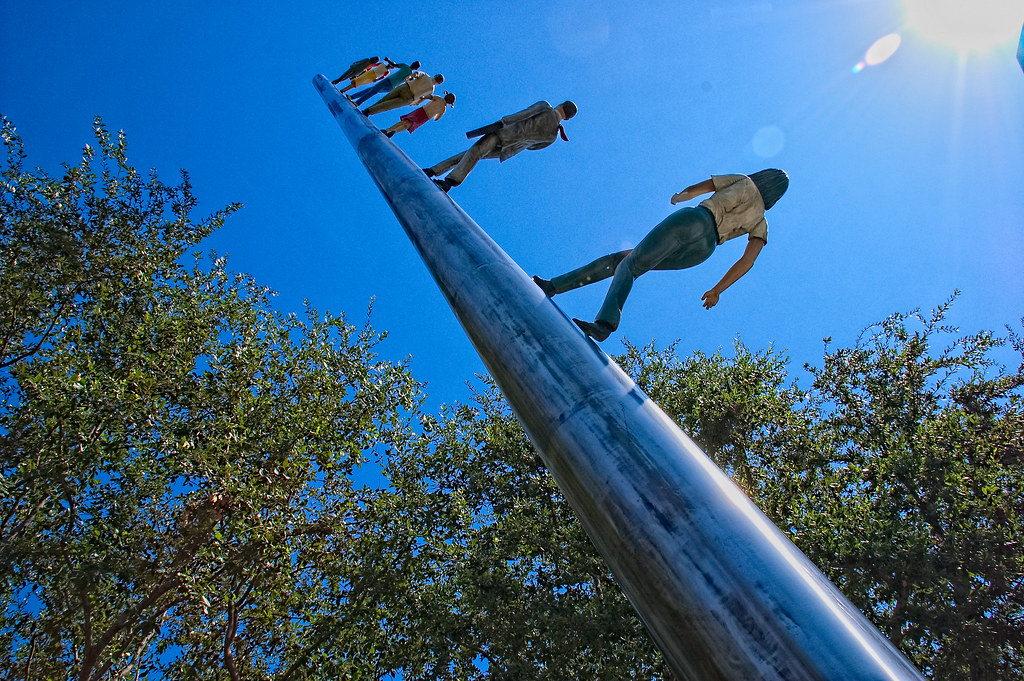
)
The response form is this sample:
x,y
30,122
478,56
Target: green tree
x,y
177,498
898,471
176,454
918,514
496,579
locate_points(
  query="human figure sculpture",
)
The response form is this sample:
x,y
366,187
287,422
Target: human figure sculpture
x,y
532,128
417,88
432,110
371,74
684,239
357,67
384,85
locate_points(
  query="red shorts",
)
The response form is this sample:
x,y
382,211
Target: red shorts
x,y
416,118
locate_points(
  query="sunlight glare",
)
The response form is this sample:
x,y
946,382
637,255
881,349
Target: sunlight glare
x,y
966,25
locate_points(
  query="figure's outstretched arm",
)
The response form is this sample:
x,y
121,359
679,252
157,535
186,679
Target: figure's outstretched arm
x,y
739,268
693,191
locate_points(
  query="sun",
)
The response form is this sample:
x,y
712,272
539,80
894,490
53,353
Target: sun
x,y
966,25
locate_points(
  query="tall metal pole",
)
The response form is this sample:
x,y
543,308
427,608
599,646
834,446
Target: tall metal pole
x,y
723,592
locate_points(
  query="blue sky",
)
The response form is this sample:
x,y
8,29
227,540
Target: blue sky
x,y
907,176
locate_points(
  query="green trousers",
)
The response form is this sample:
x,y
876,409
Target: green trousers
x,y
684,239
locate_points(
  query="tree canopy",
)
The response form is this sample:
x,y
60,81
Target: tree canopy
x,y
178,498
177,455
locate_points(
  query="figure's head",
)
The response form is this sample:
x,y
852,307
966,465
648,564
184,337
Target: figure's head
x,y
439,79
772,183
568,109
449,98
415,65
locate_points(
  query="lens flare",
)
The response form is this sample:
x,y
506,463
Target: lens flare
x,y
882,49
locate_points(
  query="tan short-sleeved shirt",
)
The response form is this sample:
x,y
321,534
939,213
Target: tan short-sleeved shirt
x,y
738,208
421,85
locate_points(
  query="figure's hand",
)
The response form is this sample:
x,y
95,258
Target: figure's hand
x,y
710,299
684,195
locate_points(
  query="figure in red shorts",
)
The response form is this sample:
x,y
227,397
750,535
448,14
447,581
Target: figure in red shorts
x,y
432,110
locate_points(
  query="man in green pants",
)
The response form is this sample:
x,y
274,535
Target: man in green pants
x,y
684,239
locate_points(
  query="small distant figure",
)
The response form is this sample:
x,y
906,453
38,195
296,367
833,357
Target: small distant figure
x,y
684,239
532,128
432,110
357,67
371,74
394,79
417,88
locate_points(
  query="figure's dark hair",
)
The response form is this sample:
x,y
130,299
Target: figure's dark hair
x,y
569,109
772,183
415,65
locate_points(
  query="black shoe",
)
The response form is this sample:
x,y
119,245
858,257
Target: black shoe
x,y
545,285
389,133
598,330
429,172
444,184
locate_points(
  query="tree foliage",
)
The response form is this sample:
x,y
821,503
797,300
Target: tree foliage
x,y
176,455
499,579
918,516
898,471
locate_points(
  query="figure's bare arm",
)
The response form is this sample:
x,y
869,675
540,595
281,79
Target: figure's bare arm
x,y
693,191
739,268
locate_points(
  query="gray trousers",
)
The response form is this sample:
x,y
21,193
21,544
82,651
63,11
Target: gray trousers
x,y
684,239
464,162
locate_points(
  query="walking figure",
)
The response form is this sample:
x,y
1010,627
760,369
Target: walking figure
x,y
684,239
532,128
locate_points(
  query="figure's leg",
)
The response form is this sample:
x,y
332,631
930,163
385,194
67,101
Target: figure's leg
x,y
445,165
622,283
363,95
397,127
359,80
599,269
470,158
683,239
392,100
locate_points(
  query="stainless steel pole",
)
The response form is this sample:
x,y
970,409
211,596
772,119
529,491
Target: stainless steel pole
x,y
723,592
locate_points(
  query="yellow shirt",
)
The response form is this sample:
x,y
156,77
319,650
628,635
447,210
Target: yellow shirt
x,y
738,208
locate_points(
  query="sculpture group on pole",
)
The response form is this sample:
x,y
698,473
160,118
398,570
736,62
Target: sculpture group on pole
x,y
682,240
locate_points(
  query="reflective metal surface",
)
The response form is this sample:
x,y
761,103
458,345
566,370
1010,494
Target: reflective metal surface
x,y
723,592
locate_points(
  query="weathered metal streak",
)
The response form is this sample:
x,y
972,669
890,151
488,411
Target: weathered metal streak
x,y
724,593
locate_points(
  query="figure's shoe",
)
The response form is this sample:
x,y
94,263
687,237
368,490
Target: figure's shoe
x,y
598,330
444,184
545,285
389,133
429,172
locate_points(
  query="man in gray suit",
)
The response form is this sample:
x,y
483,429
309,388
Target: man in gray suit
x,y
532,128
